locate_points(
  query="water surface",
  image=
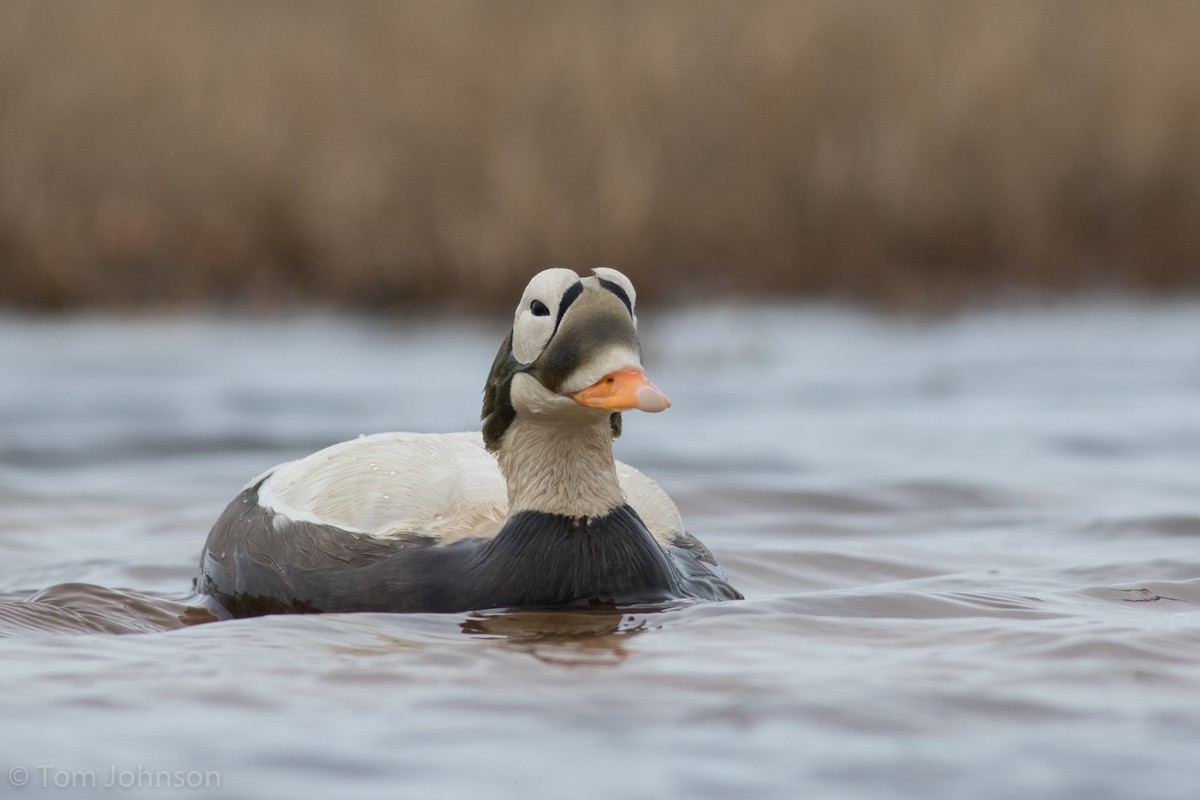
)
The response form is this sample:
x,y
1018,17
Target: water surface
x,y
970,549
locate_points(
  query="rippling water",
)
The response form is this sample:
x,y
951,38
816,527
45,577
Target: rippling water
x,y
970,549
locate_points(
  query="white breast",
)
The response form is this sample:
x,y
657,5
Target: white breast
x,y
442,485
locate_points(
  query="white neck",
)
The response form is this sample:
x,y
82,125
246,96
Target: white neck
x,y
559,468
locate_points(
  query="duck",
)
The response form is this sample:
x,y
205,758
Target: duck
x,y
533,511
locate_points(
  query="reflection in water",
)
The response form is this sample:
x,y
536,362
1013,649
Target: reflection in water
x,y
591,637
87,608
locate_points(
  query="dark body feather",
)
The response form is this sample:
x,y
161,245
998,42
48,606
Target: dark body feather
x,y
253,566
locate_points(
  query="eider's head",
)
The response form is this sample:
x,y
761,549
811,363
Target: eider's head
x,y
573,353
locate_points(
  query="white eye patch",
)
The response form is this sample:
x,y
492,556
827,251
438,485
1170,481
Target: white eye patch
x,y
619,281
537,313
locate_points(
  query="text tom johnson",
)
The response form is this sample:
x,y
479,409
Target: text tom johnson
x,y
137,776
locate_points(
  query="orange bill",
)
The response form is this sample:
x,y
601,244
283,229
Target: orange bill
x,y
623,390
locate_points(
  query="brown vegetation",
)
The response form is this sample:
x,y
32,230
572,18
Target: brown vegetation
x,y
375,154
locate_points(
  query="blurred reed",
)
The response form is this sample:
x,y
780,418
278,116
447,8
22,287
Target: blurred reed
x,y
378,154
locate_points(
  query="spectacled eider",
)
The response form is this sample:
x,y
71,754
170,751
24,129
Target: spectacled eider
x,y
533,513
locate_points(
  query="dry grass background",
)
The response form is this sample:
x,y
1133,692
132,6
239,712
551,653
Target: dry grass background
x,y
374,154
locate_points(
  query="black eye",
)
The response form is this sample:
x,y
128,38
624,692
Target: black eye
x,y
539,309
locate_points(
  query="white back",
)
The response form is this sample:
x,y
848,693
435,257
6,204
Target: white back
x,y
442,485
